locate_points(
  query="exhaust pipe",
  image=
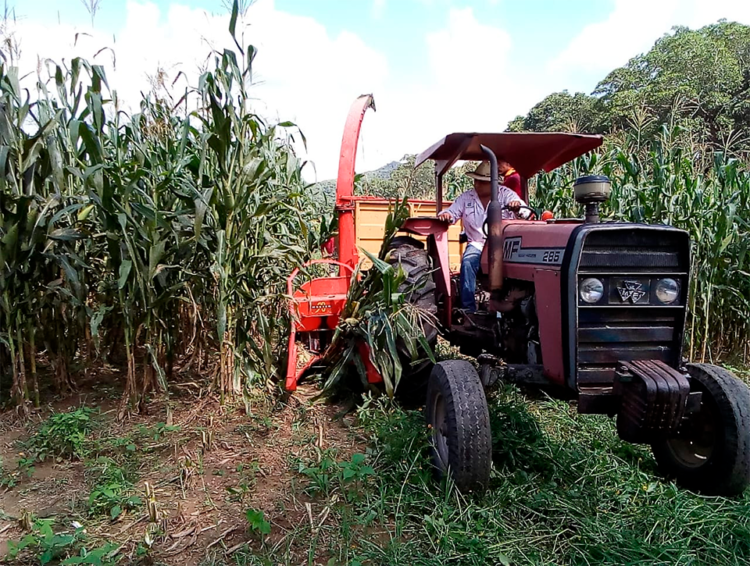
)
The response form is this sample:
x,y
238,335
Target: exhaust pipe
x,y
494,226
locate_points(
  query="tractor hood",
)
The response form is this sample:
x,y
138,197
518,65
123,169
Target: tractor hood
x,y
527,152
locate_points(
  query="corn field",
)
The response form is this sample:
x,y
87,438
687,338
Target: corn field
x,y
158,242
673,180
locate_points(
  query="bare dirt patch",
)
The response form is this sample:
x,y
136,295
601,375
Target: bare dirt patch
x,y
207,463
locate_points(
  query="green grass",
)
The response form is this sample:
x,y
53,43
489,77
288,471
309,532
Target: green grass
x,y
62,435
112,488
564,490
45,545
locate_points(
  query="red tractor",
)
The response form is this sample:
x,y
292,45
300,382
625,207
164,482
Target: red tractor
x,y
593,311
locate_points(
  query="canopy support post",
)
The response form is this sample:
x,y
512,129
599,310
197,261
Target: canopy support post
x,y
439,199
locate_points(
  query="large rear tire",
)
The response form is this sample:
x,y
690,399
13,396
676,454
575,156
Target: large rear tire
x,y
419,288
711,452
460,424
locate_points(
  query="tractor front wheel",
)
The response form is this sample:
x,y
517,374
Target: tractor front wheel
x,y
457,414
711,451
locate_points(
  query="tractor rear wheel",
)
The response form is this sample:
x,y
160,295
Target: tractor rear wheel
x,y
711,452
457,414
419,288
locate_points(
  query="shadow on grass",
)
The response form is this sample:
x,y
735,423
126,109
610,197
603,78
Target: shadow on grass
x,y
554,440
564,490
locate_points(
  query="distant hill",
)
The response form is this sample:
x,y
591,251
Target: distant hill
x,y
328,187
385,171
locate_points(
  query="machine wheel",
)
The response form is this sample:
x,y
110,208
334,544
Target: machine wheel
x,y
419,288
399,241
711,452
460,423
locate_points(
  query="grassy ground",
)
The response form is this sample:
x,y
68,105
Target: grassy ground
x,y
295,484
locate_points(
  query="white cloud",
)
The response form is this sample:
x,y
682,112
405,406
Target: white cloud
x,y
306,74
467,48
632,28
469,89
470,62
301,72
702,12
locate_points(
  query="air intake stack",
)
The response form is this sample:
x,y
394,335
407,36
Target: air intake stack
x,y
590,191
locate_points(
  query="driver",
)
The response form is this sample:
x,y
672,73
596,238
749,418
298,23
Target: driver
x,y
471,207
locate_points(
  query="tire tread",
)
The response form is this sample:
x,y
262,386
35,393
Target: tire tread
x,y
419,288
468,420
728,471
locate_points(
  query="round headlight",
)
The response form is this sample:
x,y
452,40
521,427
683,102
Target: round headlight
x,y
591,290
667,290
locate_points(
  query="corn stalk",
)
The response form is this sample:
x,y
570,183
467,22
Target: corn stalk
x,y
126,238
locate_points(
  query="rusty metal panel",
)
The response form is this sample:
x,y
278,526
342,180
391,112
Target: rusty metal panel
x,y
597,400
547,284
631,316
613,334
529,152
604,375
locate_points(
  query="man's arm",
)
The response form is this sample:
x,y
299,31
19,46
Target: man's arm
x,y
513,202
454,211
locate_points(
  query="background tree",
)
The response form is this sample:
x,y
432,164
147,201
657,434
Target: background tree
x,y
561,112
415,183
706,72
699,79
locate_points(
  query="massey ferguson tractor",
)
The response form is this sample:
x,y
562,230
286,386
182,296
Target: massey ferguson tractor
x,y
590,310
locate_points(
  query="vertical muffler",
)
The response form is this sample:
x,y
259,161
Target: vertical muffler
x,y
494,227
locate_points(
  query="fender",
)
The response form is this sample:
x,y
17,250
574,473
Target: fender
x,y
436,232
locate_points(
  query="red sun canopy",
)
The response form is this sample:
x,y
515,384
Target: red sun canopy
x,y
527,152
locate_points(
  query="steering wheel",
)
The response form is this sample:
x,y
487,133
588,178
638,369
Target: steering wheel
x,y
531,217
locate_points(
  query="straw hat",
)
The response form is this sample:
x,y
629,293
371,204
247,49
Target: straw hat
x,y
482,172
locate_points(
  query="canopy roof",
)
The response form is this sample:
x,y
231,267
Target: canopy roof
x,y
527,152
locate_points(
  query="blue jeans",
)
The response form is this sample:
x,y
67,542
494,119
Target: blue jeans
x,y
469,268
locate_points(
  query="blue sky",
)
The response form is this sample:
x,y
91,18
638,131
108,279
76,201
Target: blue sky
x,y
398,28
395,28
434,66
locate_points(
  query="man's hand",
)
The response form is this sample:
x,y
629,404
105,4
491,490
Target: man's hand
x,y
445,216
515,206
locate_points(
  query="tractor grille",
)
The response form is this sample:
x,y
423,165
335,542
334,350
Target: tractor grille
x,y
634,260
639,327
